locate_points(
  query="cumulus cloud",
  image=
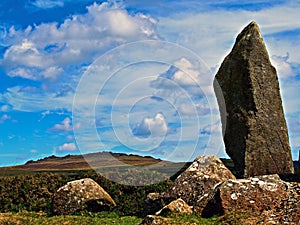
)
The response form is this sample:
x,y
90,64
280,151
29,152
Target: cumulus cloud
x,y
65,125
188,84
49,49
283,67
66,147
183,73
155,127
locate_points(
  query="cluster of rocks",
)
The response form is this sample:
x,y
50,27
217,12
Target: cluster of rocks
x,y
208,188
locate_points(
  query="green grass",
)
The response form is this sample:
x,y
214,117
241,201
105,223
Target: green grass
x,y
30,218
110,218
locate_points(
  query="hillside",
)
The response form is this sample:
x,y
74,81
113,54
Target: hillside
x,y
104,162
83,162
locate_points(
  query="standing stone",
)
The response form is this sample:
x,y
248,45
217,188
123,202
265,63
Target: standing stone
x,y
254,127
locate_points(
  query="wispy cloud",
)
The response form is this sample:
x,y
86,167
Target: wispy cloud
x,y
47,4
4,117
212,40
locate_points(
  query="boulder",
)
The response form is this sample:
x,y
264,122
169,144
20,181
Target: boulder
x,y
80,195
153,203
253,123
176,206
154,220
266,197
195,185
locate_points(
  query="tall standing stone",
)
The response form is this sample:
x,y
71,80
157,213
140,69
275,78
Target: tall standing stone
x,y
254,127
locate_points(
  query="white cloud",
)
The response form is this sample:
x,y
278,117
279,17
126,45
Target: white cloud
x,y
22,100
47,4
5,108
155,127
52,72
183,73
212,129
65,125
194,109
67,147
283,67
51,48
22,72
211,33
25,54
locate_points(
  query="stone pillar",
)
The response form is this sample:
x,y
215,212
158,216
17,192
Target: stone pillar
x,y
254,127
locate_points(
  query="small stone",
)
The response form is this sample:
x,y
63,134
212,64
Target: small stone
x,y
234,196
255,179
206,176
178,206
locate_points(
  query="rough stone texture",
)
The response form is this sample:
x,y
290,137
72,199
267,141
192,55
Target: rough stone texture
x,y
196,183
266,198
177,206
153,203
79,195
154,220
247,89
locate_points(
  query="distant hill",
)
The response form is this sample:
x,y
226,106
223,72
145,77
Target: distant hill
x,y
83,162
105,162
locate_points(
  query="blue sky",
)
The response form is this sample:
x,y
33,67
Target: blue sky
x,y
130,76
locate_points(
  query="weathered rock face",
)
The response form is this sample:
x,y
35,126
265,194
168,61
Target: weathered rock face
x,y
79,195
177,206
195,185
266,197
247,89
253,195
153,203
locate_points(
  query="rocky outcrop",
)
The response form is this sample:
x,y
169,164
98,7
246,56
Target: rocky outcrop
x,y
195,185
176,206
207,188
79,195
247,90
266,197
